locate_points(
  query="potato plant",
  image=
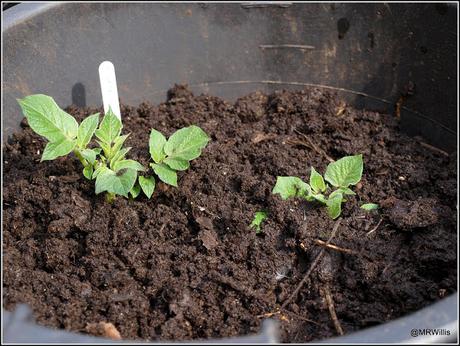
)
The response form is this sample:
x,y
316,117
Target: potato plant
x,y
107,164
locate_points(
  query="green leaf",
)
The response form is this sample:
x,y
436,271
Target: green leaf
x,y
346,171
86,130
335,193
59,148
110,128
118,143
334,205
110,181
177,164
156,144
98,170
120,155
259,217
97,150
347,191
105,147
369,206
166,174
47,119
88,172
135,191
288,187
316,181
147,184
319,197
186,143
131,164
89,155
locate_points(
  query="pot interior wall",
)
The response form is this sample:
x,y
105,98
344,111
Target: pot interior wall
x,y
381,50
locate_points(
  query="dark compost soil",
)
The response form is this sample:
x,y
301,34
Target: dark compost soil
x,y
185,264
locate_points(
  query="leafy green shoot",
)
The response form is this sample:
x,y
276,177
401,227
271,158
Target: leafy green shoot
x,y
114,174
256,223
341,175
172,155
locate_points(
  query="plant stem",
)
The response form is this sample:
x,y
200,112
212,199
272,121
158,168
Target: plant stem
x,y
80,157
110,197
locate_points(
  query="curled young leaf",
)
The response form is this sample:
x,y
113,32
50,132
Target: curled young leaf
x,y
334,205
288,187
88,172
98,169
316,181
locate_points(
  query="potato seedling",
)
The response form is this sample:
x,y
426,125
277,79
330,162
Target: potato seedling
x,y
107,164
172,155
340,174
256,223
114,174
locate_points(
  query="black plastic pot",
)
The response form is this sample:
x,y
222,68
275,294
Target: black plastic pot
x,y
374,55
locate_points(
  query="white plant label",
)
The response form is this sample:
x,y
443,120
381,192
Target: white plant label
x,y
109,88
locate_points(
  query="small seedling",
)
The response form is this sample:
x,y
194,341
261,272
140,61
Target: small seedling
x,y
256,223
172,155
107,164
369,206
340,174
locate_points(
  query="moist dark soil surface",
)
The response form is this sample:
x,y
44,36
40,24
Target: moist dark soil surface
x,y
185,264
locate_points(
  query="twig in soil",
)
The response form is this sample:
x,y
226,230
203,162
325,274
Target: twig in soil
x,y
375,228
330,304
301,317
312,266
135,253
282,317
335,247
428,146
269,314
341,108
314,147
276,46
